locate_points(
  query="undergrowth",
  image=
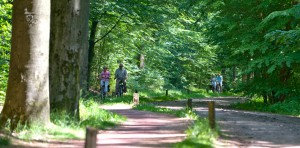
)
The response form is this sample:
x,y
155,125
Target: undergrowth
x,y
287,107
64,127
199,135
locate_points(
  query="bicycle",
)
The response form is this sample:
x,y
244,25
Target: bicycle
x,y
218,87
103,93
120,89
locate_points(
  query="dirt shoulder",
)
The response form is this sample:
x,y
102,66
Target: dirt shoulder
x,y
247,129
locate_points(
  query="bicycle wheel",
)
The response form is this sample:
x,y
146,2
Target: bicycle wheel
x,y
120,93
102,93
218,88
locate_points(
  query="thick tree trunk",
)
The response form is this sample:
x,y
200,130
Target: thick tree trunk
x,y
67,42
27,96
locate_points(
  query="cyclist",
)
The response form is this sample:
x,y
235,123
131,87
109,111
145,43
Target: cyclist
x,y
219,79
120,76
104,79
213,82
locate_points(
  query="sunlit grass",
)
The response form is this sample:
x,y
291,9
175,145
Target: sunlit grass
x,y
287,107
65,127
199,135
159,95
179,113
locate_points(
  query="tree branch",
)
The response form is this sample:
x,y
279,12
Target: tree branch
x,y
109,31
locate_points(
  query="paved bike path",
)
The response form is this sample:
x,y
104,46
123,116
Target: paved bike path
x,y
143,129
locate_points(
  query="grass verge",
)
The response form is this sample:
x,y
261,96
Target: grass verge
x,y
287,107
63,126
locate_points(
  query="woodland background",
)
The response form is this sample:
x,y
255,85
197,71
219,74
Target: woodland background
x,y
178,45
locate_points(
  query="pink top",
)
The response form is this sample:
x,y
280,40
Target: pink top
x,y
105,75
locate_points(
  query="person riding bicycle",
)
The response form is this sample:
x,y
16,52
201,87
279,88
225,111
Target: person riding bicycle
x,y
120,76
219,79
213,82
104,79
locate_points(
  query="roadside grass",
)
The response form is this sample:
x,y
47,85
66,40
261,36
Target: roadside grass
x,y
64,127
199,135
287,107
159,95
179,113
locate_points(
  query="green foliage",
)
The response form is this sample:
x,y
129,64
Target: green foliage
x,y
278,20
4,141
199,135
179,113
5,35
288,107
91,115
259,39
176,55
65,127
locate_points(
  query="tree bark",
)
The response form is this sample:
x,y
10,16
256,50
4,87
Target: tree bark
x,y
91,51
68,42
27,96
142,61
234,71
84,50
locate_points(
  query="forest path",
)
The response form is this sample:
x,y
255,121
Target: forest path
x,y
143,129
244,129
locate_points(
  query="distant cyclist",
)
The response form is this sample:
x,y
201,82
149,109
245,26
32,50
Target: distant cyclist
x,y
104,79
121,76
219,79
213,82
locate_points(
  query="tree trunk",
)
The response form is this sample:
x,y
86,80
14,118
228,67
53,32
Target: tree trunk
x,y
68,39
91,51
234,71
142,61
27,96
84,50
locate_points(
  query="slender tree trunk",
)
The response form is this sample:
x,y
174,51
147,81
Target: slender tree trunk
x,y
27,96
84,49
67,42
234,73
91,51
142,61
